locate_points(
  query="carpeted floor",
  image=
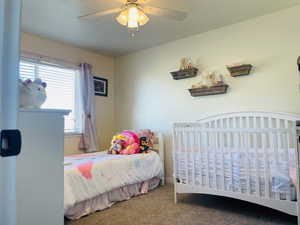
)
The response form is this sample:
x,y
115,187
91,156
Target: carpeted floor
x,y
158,208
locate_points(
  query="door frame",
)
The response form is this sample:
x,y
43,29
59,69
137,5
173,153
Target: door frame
x,y
10,17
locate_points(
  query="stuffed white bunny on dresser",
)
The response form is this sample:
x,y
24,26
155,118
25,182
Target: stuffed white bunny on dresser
x,y
32,94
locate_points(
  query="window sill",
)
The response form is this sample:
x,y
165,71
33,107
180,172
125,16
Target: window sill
x,y
72,134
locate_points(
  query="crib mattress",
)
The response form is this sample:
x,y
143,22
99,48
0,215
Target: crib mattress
x,y
234,168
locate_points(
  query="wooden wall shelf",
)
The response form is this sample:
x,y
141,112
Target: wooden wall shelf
x,y
241,70
183,74
214,90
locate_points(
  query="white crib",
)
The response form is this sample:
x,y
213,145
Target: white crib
x,y
252,156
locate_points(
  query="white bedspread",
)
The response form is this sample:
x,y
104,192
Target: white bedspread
x,y
89,175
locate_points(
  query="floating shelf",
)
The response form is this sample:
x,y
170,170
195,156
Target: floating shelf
x,y
183,74
214,90
241,70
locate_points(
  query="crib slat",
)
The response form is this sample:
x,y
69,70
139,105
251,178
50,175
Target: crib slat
x,y
213,150
222,145
200,144
240,148
266,161
194,153
209,150
179,153
175,151
176,140
198,139
206,146
280,147
182,156
186,157
271,139
217,153
247,149
237,150
229,149
276,150
211,155
272,148
287,156
256,152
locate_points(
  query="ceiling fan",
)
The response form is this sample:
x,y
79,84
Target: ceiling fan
x,y
133,14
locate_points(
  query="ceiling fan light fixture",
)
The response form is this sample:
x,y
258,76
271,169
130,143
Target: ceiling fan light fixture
x,y
122,18
132,17
143,19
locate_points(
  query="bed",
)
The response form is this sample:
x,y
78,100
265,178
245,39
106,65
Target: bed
x,y
251,156
96,181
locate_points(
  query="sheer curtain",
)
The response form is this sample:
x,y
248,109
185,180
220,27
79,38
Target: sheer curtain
x,y
88,140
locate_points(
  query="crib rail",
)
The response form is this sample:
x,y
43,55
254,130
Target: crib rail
x,y
247,154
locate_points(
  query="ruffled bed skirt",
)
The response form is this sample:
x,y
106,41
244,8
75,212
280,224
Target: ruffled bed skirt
x,y
107,199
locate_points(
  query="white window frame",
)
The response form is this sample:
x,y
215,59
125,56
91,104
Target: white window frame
x,y
78,110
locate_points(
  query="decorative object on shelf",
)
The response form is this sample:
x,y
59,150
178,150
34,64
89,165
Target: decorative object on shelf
x,y
239,69
211,84
32,94
186,64
101,86
209,79
186,70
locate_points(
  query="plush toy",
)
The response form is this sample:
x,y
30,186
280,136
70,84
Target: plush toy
x,y
131,143
32,94
149,135
144,144
126,143
117,144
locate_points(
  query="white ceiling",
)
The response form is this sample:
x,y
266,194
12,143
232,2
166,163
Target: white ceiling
x,y
58,20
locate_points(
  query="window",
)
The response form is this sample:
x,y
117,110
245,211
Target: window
x,y
62,90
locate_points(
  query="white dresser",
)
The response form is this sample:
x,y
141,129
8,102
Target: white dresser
x,y
40,172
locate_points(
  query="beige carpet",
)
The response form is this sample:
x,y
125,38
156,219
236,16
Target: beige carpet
x,y
158,208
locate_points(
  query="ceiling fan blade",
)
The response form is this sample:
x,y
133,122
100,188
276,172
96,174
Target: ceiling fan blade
x,y
167,13
95,15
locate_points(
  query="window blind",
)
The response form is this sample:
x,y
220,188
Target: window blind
x,y
27,70
62,85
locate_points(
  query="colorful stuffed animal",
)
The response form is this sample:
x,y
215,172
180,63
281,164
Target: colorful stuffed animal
x,y
126,143
32,94
144,144
131,143
117,144
150,136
